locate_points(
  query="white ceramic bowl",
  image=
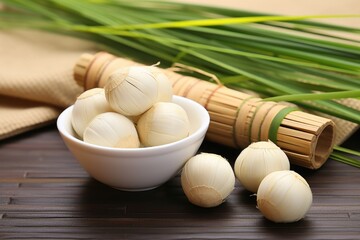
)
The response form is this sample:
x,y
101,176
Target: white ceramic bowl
x,y
137,169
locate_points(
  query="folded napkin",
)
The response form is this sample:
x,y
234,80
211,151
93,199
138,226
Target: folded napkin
x,y
36,78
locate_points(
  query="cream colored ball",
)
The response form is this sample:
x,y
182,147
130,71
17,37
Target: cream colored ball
x,y
284,196
112,129
163,123
258,160
207,180
88,105
131,91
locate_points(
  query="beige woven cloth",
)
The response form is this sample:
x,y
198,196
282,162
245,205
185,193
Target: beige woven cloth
x,y
36,81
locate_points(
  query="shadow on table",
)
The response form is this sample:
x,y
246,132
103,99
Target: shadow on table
x,y
168,200
296,230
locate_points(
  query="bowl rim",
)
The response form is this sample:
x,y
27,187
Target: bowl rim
x,y
199,132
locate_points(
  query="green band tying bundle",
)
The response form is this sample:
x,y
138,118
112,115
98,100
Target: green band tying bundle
x,y
276,122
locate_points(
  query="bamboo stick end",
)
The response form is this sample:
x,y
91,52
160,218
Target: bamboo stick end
x,y
314,151
323,144
81,67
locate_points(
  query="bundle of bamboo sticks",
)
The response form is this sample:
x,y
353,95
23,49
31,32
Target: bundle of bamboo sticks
x,y
236,118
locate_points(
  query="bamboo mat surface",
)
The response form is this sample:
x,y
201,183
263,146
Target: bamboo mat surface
x,y
45,194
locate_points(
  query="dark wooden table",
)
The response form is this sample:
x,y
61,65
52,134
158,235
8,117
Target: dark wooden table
x,y
45,194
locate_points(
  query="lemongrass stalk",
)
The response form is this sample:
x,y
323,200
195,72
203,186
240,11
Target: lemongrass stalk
x,y
346,150
195,45
221,21
345,159
272,37
235,12
316,96
310,79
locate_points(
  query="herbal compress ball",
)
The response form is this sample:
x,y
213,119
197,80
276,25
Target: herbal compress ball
x,y
207,179
132,91
284,196
88,105
258,160
111,129
163,123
